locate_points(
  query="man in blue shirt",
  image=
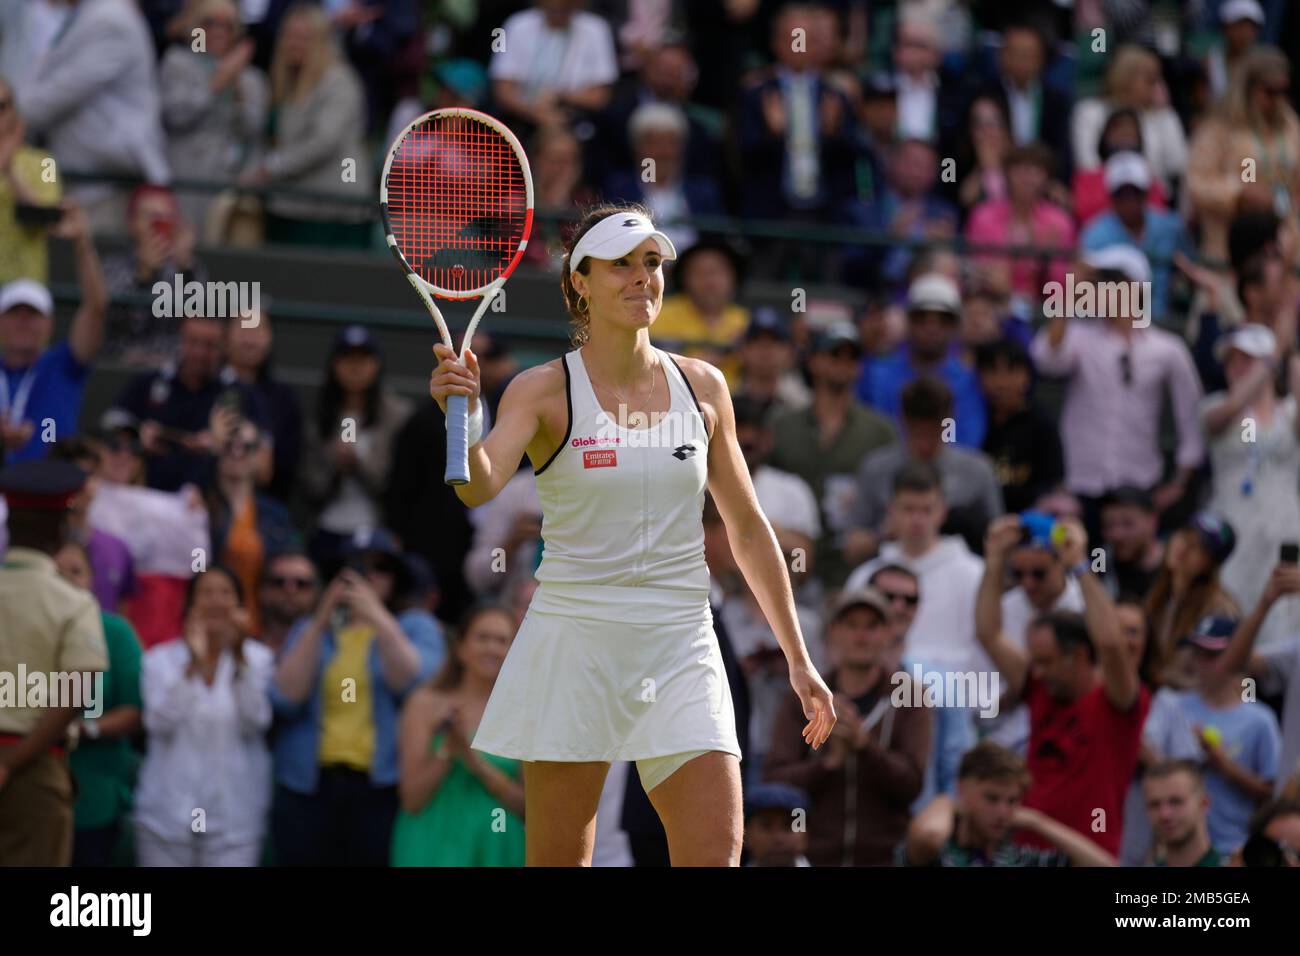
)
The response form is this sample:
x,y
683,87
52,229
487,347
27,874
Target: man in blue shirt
x,y
933,320
1157,232
41,385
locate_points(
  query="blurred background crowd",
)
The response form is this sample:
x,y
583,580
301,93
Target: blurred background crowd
x,y
874,203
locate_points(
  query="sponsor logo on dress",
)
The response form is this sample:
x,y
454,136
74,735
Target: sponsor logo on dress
x,y
682,452
596,440
605,458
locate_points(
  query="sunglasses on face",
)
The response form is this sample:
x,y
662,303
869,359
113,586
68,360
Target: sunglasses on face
x,y
893,597
1034,574
292,584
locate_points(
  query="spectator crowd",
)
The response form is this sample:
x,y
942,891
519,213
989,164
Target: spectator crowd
x,y
1045,545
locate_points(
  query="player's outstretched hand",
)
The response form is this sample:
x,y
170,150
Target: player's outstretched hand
x,y
453,377
818,705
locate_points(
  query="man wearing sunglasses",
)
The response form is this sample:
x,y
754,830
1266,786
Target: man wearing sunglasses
x,y
290,589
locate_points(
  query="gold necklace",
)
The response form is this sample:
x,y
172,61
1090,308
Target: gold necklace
x,y
638,419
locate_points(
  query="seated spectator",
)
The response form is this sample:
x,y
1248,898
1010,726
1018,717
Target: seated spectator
x,y
927,99
289,590
121,457
451,794
981,155
1134,82
104,763
933,317
317,128
1274,835
1021,442
1255,128
1039,113
1134,552
214,102
384,44
657,176
188,408
1160,234
1081,685
206,712
41,385
1026,218
339,684
1119,372
348,447
976,828
556,64
1178,805
943,633
702,318
877,132
771,836
112,575
989,316
768,375
507,537
970,488
1187,590
1121,133
246,526
825,443
1242,21
22,185
94,102
248,352
161,251
559,187
875,757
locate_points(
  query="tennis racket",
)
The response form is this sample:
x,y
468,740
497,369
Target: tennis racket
x,y
457,202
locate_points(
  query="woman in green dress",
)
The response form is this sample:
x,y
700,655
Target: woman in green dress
x,y
460,807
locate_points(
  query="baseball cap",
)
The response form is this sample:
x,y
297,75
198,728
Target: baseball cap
x,y
26,292
866,596
774,796
1235,10
355,337
1217,535
878,85
934,292
765,320
1123,258
617,235
1127,168
1212,633
839,333
1256,341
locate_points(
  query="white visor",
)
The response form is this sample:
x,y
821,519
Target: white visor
x,y
616,236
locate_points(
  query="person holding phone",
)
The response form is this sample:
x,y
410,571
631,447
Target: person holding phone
x,y
29,201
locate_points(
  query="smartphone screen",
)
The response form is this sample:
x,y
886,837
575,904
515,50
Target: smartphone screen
x,y
1290,553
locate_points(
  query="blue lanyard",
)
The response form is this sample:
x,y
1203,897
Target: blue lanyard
x,y
12,405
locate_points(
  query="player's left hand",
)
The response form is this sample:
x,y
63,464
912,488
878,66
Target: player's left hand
x,y
818,705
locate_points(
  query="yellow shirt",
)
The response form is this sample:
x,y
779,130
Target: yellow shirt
x,y
347,714
23,248
680,321
47,627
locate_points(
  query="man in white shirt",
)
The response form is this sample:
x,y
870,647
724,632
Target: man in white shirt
x,y
916,78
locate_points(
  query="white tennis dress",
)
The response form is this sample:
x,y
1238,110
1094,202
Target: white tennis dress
x,y
616,658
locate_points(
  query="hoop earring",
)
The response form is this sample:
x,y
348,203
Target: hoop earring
x,y
583,304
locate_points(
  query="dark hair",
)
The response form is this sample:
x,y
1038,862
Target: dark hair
x,y
1001,352
580,318
1277,807
918,476
1147,665
926,399
452,671
749,411
1116,117
1069,630
224,569
893,569
1169,767
1031,154
330,403
991,761
1249,232
37,528
291,551
1251,274
73,449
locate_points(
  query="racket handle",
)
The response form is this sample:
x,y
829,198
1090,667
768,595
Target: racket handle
x,y
457,440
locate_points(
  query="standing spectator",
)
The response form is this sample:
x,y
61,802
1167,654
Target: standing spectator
x,y
1118,376
452,795
104,763
290,589
339,685
768,375
507,537
94,101
926,99
161,251
112,571
873,766
982,153
557,63
1133,81
41,385
214,102
1255,130
824,443
702,318
1022,443
206,711
27,30
1081,687
933,316
383,42
1242,22
1254,443
23,183
318,109
1178,806
1121,133
349,446
1134,552
248,352
1038,112
560,188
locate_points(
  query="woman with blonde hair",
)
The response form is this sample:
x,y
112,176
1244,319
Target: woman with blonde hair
x,y
1133,81
317,139
1247,156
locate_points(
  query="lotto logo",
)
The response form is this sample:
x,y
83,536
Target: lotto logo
x,y
582,442
600,459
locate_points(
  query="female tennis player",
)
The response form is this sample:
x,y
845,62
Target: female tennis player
x,y
616,658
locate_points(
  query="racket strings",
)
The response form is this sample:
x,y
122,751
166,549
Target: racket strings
x,y
457,202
